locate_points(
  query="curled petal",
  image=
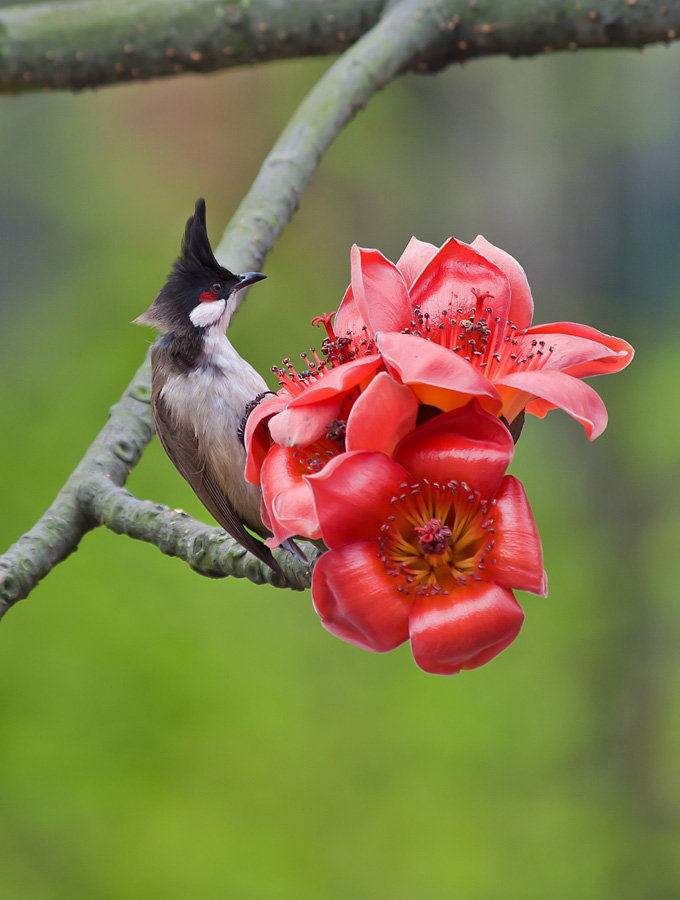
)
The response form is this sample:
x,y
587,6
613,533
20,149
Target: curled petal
x,y
287,496
463,445
575,397
256,436
379,290
614,353
348,316
357,600
352,494
458,269
464,629
304,424
564,353
381,416
338,380
517,551
436,375
414,259
521,302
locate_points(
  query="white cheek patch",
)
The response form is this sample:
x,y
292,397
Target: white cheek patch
x,y
206,314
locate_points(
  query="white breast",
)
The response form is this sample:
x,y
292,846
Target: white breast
x,y
211,400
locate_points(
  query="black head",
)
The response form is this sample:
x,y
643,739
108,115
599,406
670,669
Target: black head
x,y
196,280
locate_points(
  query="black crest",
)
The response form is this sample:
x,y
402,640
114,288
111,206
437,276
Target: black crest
x,y
197,259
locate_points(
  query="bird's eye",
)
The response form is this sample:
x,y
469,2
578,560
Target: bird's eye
x,y
216,288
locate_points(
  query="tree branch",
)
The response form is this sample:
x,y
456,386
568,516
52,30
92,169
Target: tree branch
x,y
208,550
406,32
87,43
112,455
94,494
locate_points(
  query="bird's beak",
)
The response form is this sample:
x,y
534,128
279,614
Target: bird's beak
x,y
249,278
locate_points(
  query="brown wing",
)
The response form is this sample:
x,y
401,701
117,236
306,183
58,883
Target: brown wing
x,y
182,447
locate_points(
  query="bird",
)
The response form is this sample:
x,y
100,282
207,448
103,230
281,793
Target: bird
x,y
201,387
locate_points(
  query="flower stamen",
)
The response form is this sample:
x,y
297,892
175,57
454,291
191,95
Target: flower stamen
x,y
439,536
336,431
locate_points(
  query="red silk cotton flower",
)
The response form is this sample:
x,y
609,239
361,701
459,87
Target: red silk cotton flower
x,y
428,544
473,305
392,447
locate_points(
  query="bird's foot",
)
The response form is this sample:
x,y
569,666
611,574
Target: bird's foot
x,y
250,406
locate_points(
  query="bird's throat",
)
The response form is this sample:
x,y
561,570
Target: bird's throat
x,y
208,315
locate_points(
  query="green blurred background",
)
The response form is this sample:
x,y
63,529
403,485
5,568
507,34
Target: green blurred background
x,y
167,736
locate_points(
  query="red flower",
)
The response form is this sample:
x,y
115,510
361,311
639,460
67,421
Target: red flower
x,y
286,443
428,543
473,305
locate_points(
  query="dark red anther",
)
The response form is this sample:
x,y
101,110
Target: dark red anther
x,y
336,431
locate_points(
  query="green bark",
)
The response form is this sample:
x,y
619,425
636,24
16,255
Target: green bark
x,y
90,43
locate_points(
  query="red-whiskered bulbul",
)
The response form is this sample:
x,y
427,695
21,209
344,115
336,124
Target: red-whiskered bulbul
x,y
201,387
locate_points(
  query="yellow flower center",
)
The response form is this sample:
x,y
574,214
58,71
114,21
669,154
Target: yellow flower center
x,y
439,537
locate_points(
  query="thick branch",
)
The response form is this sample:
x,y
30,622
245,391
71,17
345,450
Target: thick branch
x,y
88,499
88,43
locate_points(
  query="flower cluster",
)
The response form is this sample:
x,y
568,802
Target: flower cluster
x,y
391,446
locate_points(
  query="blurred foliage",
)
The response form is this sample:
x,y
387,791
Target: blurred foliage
x,y
162,735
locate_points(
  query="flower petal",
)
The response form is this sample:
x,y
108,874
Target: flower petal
x,y
357,600
287,496
304,424
457,274
467,445
352,494
559,353
464,629
575,397
539,408
436,375
256,436
348,316
414,259
338,380
381,416
517,551
379,290
614,353
521,307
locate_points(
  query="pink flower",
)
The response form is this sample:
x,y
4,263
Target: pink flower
x,y
286,443
428,543
473,305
